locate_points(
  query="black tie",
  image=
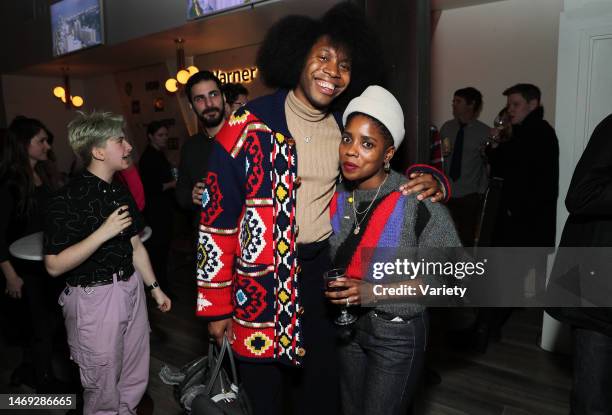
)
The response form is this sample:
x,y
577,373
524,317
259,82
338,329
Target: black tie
x,y
455,167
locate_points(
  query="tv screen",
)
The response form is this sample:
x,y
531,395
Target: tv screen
x,y
200,8
76,25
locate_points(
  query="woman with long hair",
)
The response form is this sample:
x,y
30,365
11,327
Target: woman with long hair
x,y
27,178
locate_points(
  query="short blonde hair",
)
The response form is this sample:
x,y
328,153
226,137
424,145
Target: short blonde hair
x,y
87,131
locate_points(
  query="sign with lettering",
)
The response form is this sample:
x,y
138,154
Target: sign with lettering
x,y
237,76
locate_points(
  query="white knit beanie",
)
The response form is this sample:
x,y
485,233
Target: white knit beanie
x,y
379,103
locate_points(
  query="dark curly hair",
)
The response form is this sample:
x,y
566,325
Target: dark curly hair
x,y
283,53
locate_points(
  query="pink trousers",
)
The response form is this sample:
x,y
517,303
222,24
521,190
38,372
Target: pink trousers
x,y
108,335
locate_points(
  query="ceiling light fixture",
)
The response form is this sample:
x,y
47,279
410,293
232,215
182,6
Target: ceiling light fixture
x,y
63,91
183,73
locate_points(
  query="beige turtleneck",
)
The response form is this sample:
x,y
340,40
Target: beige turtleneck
x,y
318,167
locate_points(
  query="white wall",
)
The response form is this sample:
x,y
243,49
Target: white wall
x,y
494,46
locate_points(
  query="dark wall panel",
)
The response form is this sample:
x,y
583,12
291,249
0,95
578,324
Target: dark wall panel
x,y
25,31
404,27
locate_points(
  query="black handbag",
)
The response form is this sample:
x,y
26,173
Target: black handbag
x,y
220,395
203,387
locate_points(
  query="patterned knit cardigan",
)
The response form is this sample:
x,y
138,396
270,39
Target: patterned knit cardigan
x,y
246,259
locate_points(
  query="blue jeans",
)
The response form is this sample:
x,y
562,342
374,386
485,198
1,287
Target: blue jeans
x,y
592,389
381,363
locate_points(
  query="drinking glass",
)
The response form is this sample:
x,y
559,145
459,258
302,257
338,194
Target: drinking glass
x,y
345,318
500,123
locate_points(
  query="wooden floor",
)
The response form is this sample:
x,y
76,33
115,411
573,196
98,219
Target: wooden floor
x,y
515,377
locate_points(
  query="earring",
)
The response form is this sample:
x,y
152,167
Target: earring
x,y
387,166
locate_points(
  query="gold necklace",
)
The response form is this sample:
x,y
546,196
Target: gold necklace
x,y
365,212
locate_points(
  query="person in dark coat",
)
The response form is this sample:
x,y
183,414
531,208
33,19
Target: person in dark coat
x,y
528,213
589,202
203,90
159,185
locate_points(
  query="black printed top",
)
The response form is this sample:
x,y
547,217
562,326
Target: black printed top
x,y
76,211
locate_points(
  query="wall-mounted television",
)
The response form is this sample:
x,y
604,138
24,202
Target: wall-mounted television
x,y
76,25
201,8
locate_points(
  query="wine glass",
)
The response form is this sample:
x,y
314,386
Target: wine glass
x,y
500,124
345,318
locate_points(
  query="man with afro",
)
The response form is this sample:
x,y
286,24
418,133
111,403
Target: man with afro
x,y
264,229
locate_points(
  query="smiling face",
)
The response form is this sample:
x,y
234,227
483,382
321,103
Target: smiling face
x,y
363,152
159,139
519,108
39,147
208,103
326,74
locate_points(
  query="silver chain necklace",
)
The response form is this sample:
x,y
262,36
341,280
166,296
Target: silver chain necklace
x,y
365,212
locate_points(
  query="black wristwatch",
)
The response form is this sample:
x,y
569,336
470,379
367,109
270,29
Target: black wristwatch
x,y
152,286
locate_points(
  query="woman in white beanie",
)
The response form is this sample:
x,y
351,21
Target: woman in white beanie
x,y
382,359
